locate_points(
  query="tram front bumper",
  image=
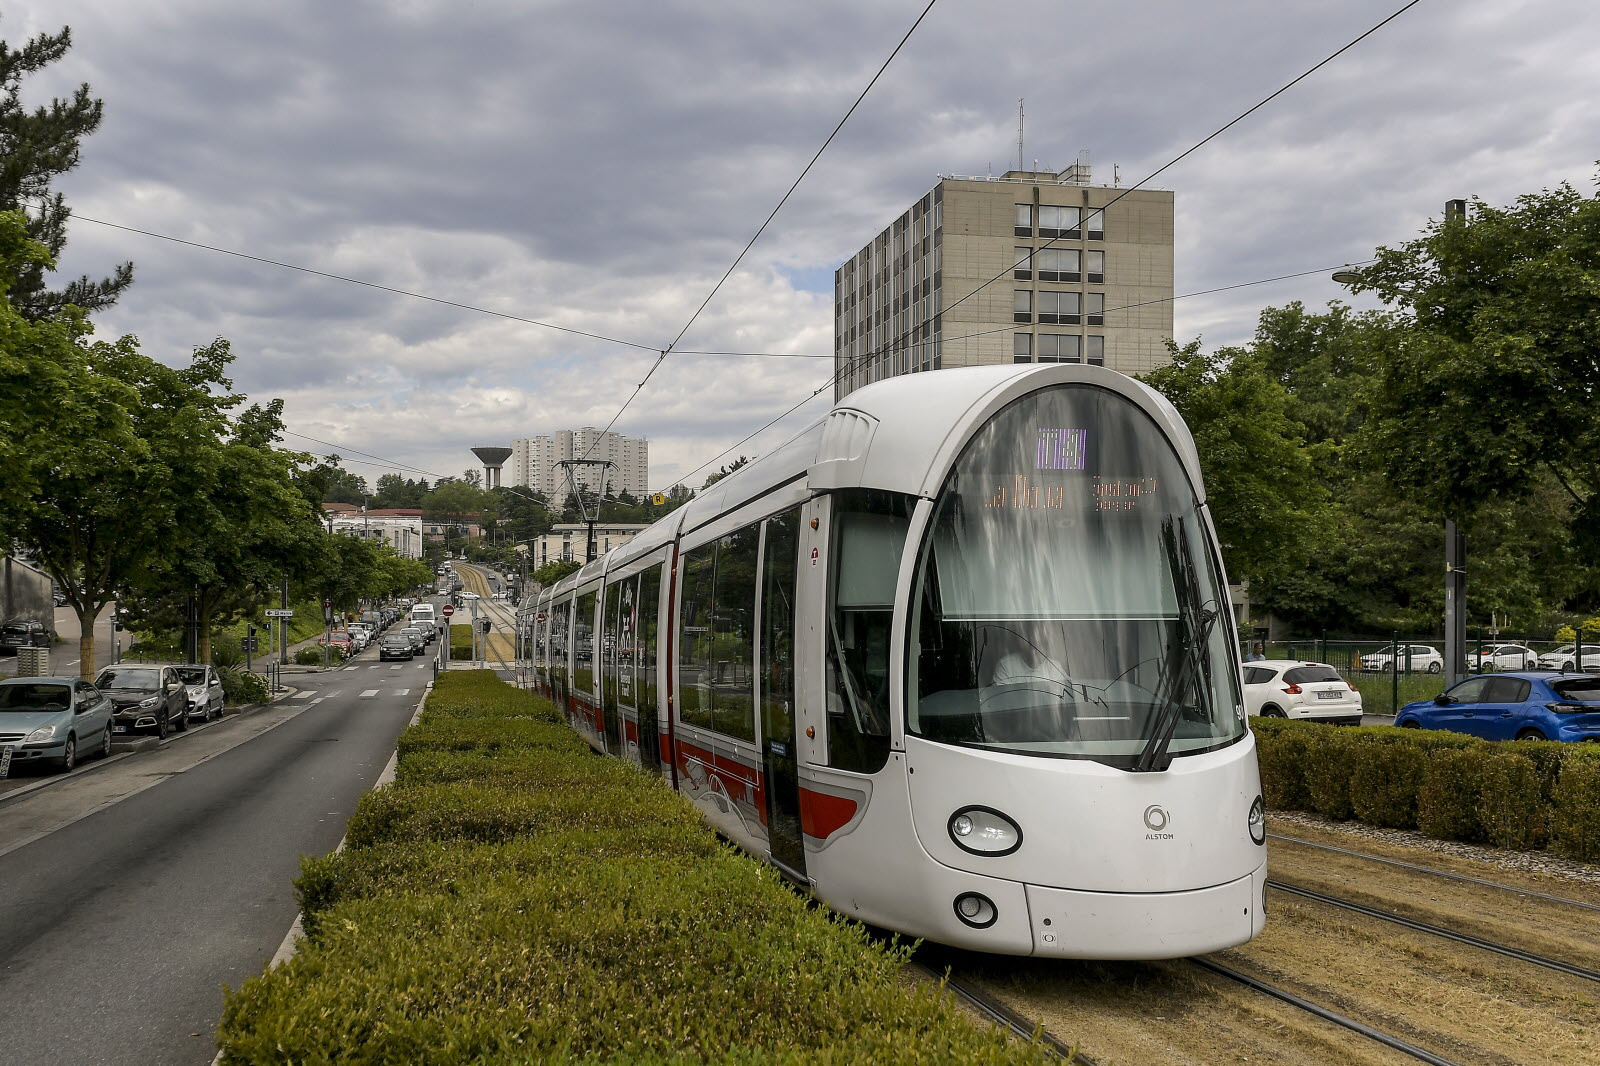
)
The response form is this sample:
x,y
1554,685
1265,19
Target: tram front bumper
x,y
1146,925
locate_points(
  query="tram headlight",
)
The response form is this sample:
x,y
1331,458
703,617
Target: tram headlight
x,y
1258,821
976,910
984,831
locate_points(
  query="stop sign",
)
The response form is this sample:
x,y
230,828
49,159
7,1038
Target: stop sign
x,y
448,610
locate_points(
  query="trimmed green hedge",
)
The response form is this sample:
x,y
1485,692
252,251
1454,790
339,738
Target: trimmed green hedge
x,y
1523,794
514,898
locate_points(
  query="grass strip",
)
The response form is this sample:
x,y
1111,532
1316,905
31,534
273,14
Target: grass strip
x,y
514,898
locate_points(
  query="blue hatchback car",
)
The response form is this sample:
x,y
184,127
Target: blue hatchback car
x,y
1527,705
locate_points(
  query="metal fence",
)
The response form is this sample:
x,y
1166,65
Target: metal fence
x,y
1387,680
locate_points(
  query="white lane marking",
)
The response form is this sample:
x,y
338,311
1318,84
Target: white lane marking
x,y
318,700
374,668
306,695
369,693
396,666
402,692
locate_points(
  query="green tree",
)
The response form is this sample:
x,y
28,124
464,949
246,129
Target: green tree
x,y
1259,478
36,147
454,503
1488,384
59,413
555,570
328,482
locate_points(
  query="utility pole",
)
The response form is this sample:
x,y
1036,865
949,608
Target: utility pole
x,y
1455,557
589,518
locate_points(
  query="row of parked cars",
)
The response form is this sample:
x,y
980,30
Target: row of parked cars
x,y
57,720
1524,704
412,636
1424,658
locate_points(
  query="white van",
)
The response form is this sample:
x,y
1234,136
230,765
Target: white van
x,y
423,612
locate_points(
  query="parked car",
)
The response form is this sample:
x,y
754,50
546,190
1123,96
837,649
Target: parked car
x,y
339,641
1292,688
57,597
1525,705
52,720
1412,657
1502,657
24,633
419,643
146,696
203,690
1561,659
395,646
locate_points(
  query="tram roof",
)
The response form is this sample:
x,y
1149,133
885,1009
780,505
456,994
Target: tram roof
x,y
901,434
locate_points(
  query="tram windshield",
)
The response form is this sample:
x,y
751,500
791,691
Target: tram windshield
x,y
1068,601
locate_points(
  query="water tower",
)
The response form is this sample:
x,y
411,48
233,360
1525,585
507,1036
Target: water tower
x,y
491,458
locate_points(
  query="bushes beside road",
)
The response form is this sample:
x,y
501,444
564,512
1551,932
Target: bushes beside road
x,y
514,898
1527,794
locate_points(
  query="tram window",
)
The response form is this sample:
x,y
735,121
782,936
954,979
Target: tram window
x,y
733,707
647,625
583,644
610,641
558,648
694,639
777,623
869,532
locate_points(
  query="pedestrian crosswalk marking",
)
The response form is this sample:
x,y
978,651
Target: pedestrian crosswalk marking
x,y
402,692
301,696
369,693
318,700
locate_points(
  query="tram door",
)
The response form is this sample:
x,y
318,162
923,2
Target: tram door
x,y
779,751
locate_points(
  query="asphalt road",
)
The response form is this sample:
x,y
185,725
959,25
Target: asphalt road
x,y
130,895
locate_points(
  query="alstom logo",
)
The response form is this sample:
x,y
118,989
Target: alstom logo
x,y
1156,820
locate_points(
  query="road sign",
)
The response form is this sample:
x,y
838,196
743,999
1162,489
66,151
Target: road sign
x,y
279,612
447,610
542,618
658,499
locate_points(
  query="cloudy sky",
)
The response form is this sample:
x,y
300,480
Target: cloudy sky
x,y
598,164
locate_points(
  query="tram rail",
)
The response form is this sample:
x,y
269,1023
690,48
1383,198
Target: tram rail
x,y
1344,1021
997,1012
1508,951
1436,872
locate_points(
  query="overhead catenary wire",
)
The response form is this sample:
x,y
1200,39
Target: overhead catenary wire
x,y
1207,139
765,223
851,364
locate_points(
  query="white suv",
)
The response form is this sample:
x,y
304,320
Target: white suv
x,y
1291,688
1413,657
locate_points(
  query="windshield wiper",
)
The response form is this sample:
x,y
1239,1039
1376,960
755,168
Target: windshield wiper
x,y
1195,626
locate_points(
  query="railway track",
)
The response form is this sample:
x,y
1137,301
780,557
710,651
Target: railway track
x,y
1389,1040
995,1011
1508,951
1435,872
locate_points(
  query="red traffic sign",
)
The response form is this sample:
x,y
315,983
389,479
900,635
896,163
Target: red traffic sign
x,y
447,610
541,619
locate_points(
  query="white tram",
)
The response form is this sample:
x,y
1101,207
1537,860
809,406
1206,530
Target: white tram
x,y
958,658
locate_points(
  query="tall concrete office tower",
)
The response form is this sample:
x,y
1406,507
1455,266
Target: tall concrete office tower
x,y
1030,266
492,459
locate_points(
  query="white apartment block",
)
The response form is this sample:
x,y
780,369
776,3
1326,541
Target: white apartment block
x,y
570,541
1025,267
404,535
534,462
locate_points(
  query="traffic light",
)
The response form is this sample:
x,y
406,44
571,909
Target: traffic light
x,y
483,624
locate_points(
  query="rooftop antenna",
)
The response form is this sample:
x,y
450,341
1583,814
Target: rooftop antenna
x,y
1019,134
1116,175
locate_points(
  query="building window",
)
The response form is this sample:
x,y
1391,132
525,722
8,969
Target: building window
x,y
1097,267
1059,307
1097,224
1097,350
1095,308
1022,305
1059,264
1022,224
1022,347
1022,262
1058,347
1059,222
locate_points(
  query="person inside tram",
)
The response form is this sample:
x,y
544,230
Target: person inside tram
x,y
1025,686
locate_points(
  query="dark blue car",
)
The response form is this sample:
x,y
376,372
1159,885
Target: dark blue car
x,y
1527,705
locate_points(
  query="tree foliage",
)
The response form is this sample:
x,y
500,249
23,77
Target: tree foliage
x,y
36,147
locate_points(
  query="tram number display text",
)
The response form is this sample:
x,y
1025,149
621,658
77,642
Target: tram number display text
x,y
1108,493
